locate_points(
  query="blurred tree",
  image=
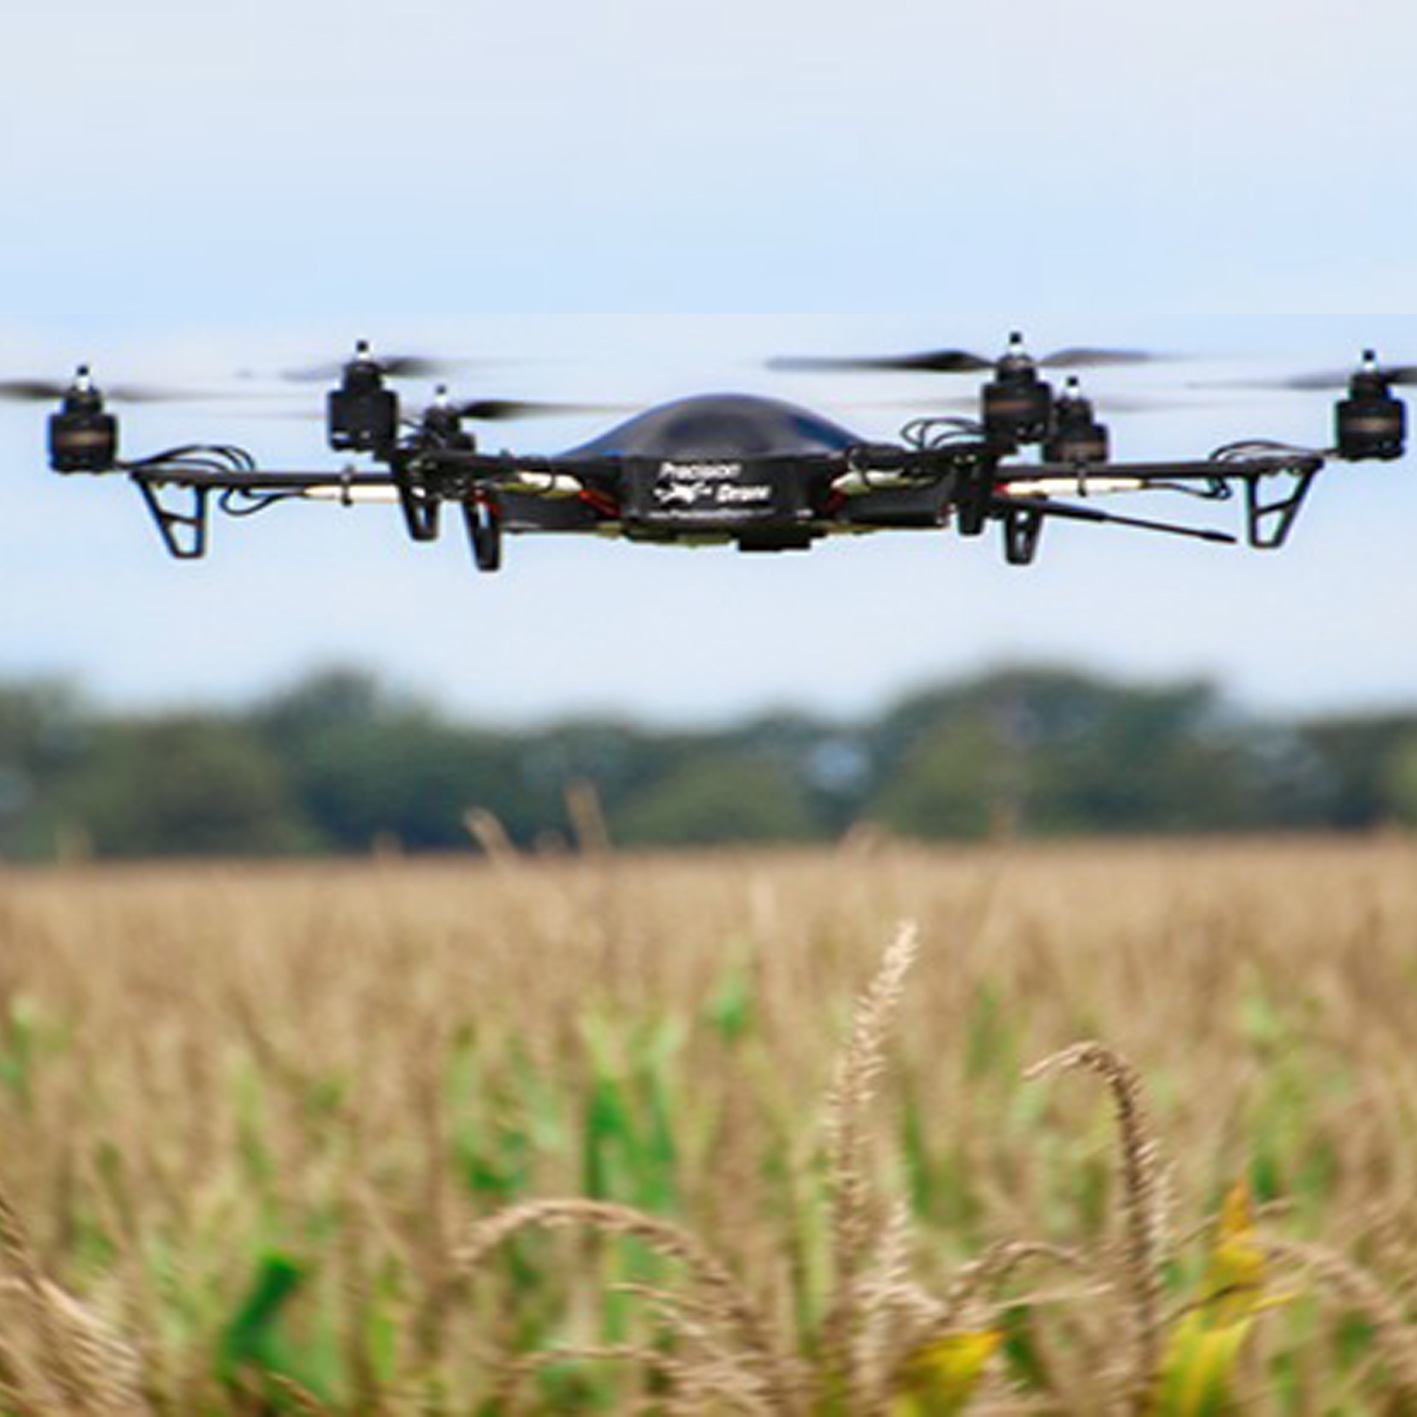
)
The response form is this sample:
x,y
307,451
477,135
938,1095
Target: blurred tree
x,y
340,762
618,759
45,729
1361,762
188,785
328,699
716,799
370,765
411,778
959,782
1054,751
828,762
1404,781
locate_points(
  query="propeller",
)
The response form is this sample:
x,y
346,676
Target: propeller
x,y
1392,375
473,410
1106,403
512,410
54,391
393,366
960,361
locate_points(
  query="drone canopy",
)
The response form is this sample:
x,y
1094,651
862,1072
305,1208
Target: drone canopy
x,y
737,426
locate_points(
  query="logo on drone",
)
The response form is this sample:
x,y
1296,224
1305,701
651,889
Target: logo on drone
x,y
706,484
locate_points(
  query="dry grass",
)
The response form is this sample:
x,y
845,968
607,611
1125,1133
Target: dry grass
x,y
311,1085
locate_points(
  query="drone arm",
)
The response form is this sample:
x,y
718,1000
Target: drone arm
x,y
179,496
179,488
1161,474
1270,519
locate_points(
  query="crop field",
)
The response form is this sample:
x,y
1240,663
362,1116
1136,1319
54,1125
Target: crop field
x,y
715,1134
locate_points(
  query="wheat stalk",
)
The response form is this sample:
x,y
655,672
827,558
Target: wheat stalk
x,y
60,1372
992,1271
724,1298
1392,1333
853,1090
85,1366
892,1314
301,1398
487,831
1142,1203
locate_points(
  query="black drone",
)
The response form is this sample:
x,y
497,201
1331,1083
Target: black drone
x,y
753,472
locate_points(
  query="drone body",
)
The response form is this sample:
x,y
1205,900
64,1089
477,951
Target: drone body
x,y
741,470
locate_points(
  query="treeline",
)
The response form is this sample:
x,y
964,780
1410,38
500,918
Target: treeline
x,y
341,763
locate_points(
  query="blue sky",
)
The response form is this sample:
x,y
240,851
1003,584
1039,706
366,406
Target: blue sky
x,y
192,190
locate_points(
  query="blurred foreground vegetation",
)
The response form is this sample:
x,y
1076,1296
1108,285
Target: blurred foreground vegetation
x,y
260,1118
341,764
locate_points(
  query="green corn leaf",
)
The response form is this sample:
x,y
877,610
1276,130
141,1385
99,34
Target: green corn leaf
x,y
253,1344
1197,1376
1234,1285
1204,1349
252,1337
730,1008
941,1379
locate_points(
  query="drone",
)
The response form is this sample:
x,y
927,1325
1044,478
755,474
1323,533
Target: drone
x,y
740,470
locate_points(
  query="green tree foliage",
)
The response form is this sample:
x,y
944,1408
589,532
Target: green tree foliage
x,y
1404,780
371,766
341,763
44,732
720,798
1052,751
189,785
1362,766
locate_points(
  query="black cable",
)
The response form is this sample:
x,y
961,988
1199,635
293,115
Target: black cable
x,y
248,502
928,434
1262,447
195,457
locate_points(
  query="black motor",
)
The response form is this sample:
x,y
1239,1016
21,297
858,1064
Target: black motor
x,y
1372,421
83,436
363,412
1078,438
1018,401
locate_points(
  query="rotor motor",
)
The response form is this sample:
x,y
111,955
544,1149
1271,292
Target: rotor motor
x,y
363,411
1077,438
83,436
443,425
1018,401
1372,421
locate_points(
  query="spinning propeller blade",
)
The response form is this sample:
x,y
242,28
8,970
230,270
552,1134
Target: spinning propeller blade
x,y
1327,381
54,390
475,410
511,410
938,361
395,366
961,361
1105,403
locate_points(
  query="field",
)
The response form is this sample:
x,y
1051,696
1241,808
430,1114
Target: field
x,y
254,1121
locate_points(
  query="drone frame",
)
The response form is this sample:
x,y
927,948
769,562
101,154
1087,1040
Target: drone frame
x,y
944,472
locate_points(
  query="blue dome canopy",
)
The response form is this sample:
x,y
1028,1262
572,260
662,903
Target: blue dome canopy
x,y
721,426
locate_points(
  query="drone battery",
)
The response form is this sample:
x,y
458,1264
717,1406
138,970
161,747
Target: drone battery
x,y
83,439
1372,429
363,419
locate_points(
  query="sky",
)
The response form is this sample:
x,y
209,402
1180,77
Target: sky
x,y
194,190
